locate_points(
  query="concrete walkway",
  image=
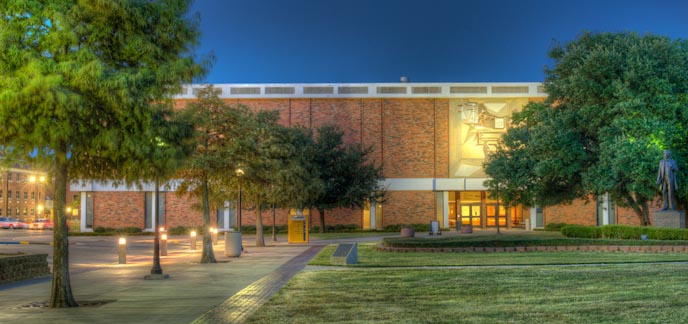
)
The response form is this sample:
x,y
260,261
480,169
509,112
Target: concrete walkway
x,y
226,292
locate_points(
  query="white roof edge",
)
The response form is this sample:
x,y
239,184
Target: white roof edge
x,y
372,91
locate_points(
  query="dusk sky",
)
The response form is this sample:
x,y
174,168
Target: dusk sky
x,y
333,41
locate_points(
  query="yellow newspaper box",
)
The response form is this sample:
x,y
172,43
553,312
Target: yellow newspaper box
x,y
298,225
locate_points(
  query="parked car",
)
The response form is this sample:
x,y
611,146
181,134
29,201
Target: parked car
x,y
11,223
40,224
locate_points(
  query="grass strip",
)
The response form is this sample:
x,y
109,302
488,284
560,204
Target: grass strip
x,y
637,293
368,256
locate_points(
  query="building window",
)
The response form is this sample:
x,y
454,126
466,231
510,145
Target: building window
x,y
31,211
17,196
0,194
25,211
26,195
9,194
33,195
9,177
18,177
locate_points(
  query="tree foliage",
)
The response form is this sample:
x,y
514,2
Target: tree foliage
x,y
76,83
348,177
615,101
223,136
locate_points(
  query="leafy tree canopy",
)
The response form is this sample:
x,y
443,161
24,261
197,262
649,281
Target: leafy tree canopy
x,y
77,79
615,101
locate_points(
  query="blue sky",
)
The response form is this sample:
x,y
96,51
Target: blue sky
x,y
341,41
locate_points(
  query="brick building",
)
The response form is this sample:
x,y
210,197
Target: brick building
x,y
430,139
23,194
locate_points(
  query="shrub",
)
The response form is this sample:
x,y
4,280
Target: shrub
x,y
555,227
128,230
101,229
178,230
581,231
622,232
416,227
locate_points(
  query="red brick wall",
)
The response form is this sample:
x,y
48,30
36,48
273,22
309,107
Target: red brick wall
x,y
180,211
408,138
118,209
578,212
582,213
441,138
408,207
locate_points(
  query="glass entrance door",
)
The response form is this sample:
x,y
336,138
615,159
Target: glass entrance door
x,y
470,214
492,215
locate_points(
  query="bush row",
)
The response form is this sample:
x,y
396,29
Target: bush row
x,y
625,232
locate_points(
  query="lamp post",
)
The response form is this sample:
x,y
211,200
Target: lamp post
x,y
156,270
34,181
239,173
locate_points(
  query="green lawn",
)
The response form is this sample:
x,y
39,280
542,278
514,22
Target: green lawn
x,y
635,293
369,257
529,287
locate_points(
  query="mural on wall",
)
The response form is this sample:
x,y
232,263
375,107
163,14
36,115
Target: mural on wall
x,y
475,127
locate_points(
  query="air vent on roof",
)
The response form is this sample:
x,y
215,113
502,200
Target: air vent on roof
x,y
318,90
468,89
390,90
245,90
420,90
279,90
352,90
507,89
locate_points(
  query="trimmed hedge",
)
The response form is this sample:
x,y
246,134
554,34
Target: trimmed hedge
x,y
625,232
580,231
555,227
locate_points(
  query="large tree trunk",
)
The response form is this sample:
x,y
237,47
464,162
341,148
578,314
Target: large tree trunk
x,y
260,237
61,292
208,255
322,220
640,207
645,218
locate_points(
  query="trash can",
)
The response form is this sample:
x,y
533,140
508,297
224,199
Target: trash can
x,y
232,244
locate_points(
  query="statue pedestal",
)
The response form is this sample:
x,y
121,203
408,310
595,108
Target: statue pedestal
x,y
669,218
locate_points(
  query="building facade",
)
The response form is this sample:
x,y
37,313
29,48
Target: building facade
x,y
431,140
23,194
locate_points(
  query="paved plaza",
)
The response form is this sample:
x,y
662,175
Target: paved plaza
x,y
226,292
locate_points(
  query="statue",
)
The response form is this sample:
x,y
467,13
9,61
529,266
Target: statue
x,y
666,179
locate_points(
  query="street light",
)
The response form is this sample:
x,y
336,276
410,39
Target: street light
x,y
239,173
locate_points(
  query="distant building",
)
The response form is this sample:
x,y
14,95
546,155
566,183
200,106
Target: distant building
x,y
430,139
23,194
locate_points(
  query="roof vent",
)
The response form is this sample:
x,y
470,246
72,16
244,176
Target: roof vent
x,y
404,79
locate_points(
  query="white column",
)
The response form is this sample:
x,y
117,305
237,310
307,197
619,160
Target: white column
x,y
605,209
83,213
373,223
445,204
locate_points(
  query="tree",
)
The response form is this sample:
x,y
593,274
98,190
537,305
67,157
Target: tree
x,y
76,83
349,179
169,144
280,171
223,135
615,101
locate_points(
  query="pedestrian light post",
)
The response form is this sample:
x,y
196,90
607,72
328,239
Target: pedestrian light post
x,y
239,173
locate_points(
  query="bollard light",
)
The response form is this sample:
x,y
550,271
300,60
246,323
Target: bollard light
x,y
163,244
122,250
213,234
193,241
